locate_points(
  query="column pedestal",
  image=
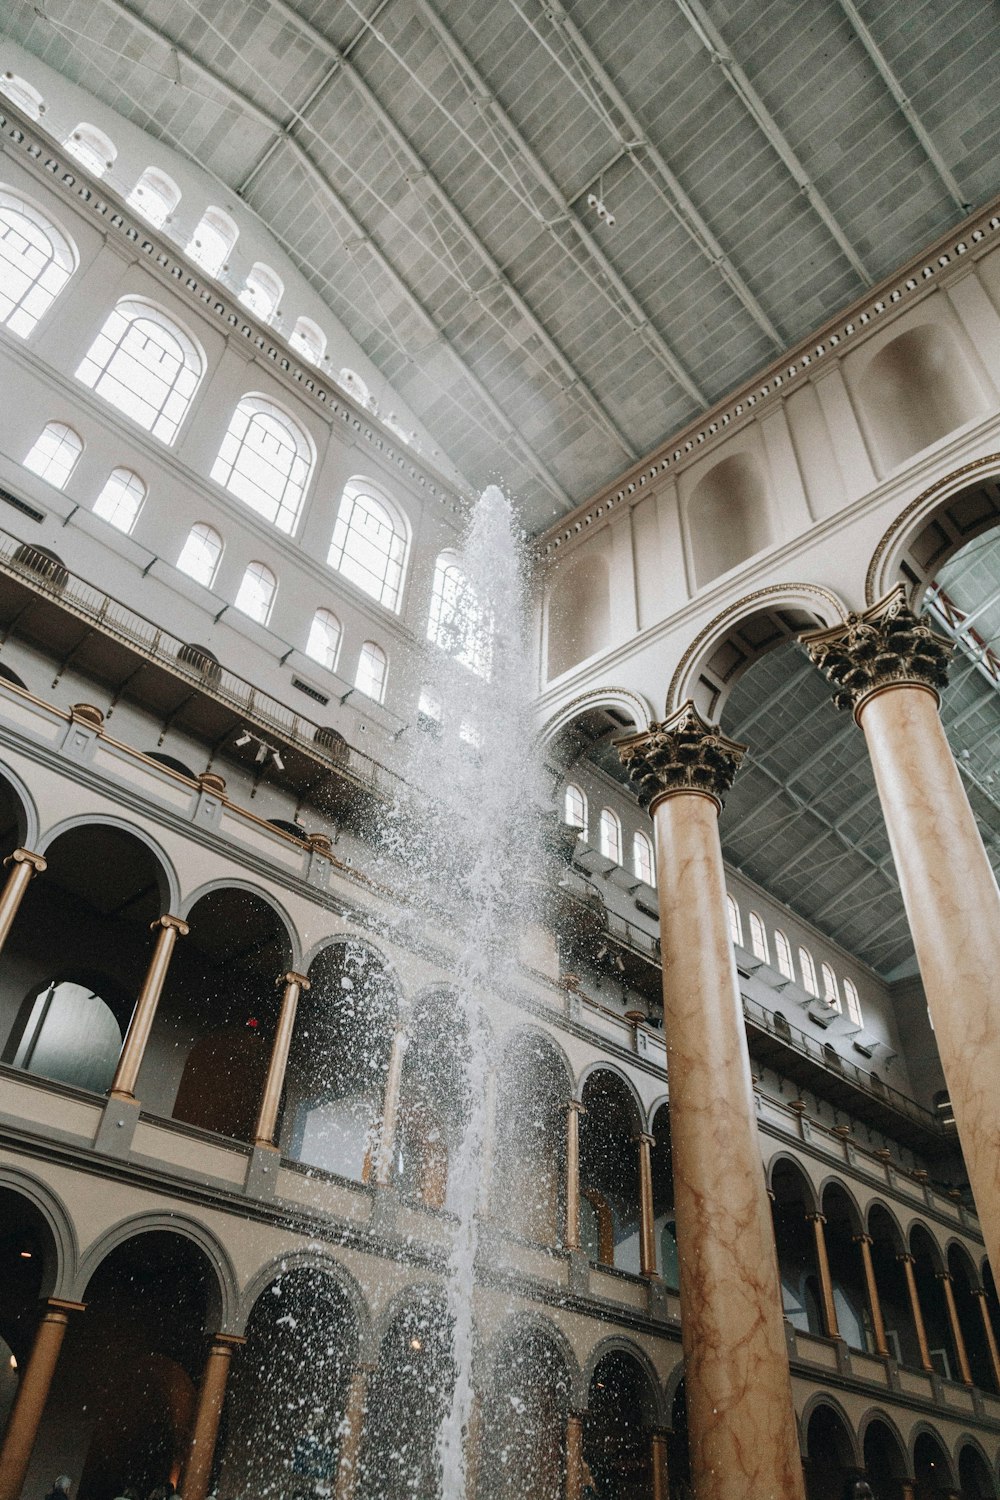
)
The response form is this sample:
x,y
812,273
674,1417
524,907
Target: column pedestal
x,y
208,1413
32,1394
168,929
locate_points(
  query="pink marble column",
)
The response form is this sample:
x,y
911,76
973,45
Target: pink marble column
x,y
740,1417
889,667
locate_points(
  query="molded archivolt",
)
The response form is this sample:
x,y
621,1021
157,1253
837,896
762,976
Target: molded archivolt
x,y
579,611
933,527
727,517
917,389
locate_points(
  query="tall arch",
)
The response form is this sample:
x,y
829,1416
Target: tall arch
x,y
578,610
916,389
931,528
727,516
531,1379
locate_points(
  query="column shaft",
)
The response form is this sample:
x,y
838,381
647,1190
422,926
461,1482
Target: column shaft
x,y
830,1326
953,907
574,1109
957,1337
742,1425
267,1117
23,865
390,1109
915,1309
32,1394
168,930
354,1426
864,1241
991,1338
661,1477
647,1243
574,1457
208,1413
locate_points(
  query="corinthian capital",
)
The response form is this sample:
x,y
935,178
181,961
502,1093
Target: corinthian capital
x,y
884,646
683,754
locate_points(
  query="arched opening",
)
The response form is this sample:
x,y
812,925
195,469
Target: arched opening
x,y
916,389
667,1257
36,261
152,1304
155,196
792,1203
886,1464
288,1391
678,1445
618,1426
974,1477
970,1319
208,1053
27,1273
931,1468
850,1300
831,1464
928,1269
727,516
529,1162
524,1450
77,954
408,1396
609,1172
579,611
434,1098
335,1087
887,1250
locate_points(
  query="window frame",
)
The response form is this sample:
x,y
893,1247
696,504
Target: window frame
x,y
255,412
356,492
807,969
49,280
148,183
784,957
92,148
610,847
831,988
316,624
23,95
101,371
456,621
51,466
202,530
301,338
572,821
734,920
263,280
140,489
642,840
214,220
759,946
257,572
852,1000
373,651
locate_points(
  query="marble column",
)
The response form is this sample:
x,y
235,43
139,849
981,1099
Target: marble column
x,y
888,668
574,1110
864,1243
829,1310
267,1117
23,864
918,1318
991,1339
647,1239
390,1107
661,1477
353,1429
741,1421
32,1394
574,1456
208,1414
168,929
957,1337
907,1490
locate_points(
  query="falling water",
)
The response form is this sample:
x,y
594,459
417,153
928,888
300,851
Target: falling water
x,y
467,838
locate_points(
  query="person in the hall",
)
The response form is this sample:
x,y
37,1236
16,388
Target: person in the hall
x,y
60,1488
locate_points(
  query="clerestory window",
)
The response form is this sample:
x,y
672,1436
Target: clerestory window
x,y
324,639
155,196
309,339
853,1000
783,953
808,971
213,239
575,808
54,453
265,460
735,921
92,148
758,938
369,544
24,94
36,261
262,291
121,499
200,554
370,676
643,864
610,835
146,365
256,592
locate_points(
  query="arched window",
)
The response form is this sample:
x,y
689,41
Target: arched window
x,y
853,1002
457,622
92,148
643,863
369,544
735,921
610,835
146,365
213,239
262,291
324,639
200,554
831,989
155,196
808,971
575,808
783,953
265,460
429,709
370,678
256,592
54,453
352,382
121,499
309,339
20,92
758,938
36,261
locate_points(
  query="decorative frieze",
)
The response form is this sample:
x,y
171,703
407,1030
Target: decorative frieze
x,y
681,754
884,646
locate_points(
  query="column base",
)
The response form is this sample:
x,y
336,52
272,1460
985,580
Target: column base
x,y
384,1211
656,1299
261,1180
116,1130
579,1273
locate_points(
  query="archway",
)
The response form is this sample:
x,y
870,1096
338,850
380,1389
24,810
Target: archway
x,y
527,1195
793,1200
886,1464
928,1268
932,1468
28,1266
524,1451
617,1428
843,1225
918,388
433,1098
727,516
409,1393
887,1251
974,1477
579,610
970,1320
831,1464
609,1173
667,1258
678,1446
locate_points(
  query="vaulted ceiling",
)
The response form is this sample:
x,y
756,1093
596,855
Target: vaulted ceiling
x,y
430,165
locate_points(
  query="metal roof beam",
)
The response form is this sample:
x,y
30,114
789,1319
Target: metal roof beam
x,y
668,188
357,228
642,324
712,40
497,275
904,104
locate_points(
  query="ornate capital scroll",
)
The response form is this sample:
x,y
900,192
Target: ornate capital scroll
x,y
682,754
884,646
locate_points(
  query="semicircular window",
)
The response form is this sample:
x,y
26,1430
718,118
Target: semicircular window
x,y
68,1032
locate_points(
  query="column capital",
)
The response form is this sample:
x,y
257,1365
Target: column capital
x,y
813,1216
284,980
880,647
577,1105
942,1276
862,1239
60,1304
228,1341
644,1138
906,1259
681,754
167,921
37,862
